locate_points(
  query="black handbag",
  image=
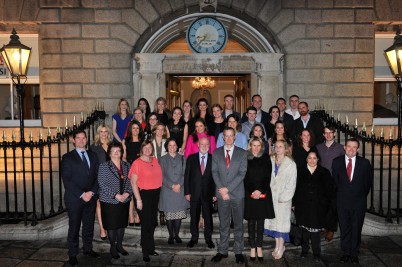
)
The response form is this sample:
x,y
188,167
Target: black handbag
x,y
295,235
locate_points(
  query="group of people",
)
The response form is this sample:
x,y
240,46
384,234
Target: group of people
x,y
260,166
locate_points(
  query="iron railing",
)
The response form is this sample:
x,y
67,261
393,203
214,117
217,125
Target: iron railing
x,y
33,188
385,157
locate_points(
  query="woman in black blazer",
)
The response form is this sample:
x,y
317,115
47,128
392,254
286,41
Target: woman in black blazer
x,y
314,203
115,195
258,204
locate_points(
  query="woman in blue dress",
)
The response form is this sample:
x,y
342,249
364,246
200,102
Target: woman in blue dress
x,y
120,120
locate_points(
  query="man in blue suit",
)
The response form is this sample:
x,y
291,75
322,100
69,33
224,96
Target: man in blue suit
x,y
79,170
353,178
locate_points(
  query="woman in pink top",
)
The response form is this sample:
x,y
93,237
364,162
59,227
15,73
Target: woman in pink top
x,y
200,131
146,181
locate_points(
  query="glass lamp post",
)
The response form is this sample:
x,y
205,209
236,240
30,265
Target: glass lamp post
x,y
16,56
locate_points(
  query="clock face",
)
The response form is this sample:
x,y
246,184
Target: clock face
x,y
206,35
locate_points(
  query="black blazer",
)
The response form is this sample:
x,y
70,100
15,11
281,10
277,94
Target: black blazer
x,y
288,121
265,118
352,194
314,125
200,187
76,177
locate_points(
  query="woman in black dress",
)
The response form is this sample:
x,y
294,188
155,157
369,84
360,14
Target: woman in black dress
x,y
201,111
144,105
218,122
270,126
258,204
115,195
178,129
314,203
304,144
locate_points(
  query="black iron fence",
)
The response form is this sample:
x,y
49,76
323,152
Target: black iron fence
x,y
385,157
31,187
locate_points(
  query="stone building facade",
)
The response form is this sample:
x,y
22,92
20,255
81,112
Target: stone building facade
x,y
87,48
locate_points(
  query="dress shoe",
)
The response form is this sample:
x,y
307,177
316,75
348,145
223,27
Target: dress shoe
x,y
137,224
260,258
345,258
72,260
153,253
146,259
91,253
253,251
170,240
239,258
192,243
303,254
218,257
122,251
210,244
104,237
131,224
317,258
354,259
178,240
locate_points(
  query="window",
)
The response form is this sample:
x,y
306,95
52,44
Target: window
x,y
9,109
385,86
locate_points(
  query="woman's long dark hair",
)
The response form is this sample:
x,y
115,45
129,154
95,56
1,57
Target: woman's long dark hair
x,y
147,109
194,134
129,137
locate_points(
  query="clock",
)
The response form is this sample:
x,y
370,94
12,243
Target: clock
x,y
206,35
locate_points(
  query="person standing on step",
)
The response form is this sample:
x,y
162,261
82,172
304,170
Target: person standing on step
x,y
172,201
199,189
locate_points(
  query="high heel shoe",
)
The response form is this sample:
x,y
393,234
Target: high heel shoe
x,y
279,254
260,258
131,224
251,252
122,251
104,237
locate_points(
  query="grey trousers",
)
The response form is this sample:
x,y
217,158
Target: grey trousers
x,y
226,209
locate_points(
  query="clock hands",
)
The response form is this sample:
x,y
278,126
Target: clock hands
x,y
200,39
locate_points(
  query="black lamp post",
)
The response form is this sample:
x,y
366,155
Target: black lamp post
x,y
16,56
393,54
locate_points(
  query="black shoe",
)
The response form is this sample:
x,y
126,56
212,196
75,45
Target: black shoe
x,y
115,256
218,257
345,258
210,244
104,237
153,253
192,243
146,259
239,258
317,258
260,259
354,259
303,254
91,253
130,224
137,224
170,240
178,240
122,251
252,258
72,260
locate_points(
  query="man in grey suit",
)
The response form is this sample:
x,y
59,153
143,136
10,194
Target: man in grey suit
x,y
229,166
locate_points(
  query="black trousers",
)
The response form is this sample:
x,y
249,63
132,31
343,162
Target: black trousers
x,y
315,241
195,210
80,211
252,232
351,224
148,216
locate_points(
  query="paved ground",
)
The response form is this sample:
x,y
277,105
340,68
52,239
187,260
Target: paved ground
x,y
376,251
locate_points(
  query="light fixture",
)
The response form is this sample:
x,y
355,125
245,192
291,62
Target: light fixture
x,y
203,83
16,56
393,54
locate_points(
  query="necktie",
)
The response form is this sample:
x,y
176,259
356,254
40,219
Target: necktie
x,y
227,159
349,170
84,159
202,165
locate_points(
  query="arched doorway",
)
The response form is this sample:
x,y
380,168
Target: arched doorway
x,y
248,65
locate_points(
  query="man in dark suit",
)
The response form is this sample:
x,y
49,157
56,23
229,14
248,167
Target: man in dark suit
x,y
229,107
308,121
229,166
199,189
353,178
79,171
262,116
283,116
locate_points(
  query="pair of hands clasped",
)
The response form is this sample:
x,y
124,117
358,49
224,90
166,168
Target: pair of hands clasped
x,y
122,197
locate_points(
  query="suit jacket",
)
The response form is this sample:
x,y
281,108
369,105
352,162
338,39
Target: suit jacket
x,y
288,121
237,114
352,194
200,187
265,117
314,125
233,178
76,177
